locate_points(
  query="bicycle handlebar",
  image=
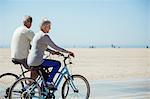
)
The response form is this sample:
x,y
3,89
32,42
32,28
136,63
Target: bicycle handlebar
x,y
64,56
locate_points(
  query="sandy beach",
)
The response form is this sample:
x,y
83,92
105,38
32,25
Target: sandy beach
x,y
120,73
98,63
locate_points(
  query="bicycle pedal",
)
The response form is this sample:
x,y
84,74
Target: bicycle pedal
x,y
53,88
50,96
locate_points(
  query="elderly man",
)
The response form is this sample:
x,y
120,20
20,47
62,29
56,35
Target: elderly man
x,y
20,43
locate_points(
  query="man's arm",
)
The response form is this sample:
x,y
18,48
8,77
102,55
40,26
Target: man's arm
x,y
30,34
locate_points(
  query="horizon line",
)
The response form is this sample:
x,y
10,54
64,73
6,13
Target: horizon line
x,y
96,46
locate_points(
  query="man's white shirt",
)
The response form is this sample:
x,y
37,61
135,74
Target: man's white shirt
x,y
20,43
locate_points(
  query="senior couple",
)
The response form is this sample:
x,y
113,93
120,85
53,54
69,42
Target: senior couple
x,y
20,46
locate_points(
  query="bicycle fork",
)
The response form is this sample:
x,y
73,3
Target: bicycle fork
x,y
72,84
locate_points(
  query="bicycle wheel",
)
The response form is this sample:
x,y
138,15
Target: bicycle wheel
x,y
25,88
76,88
6,80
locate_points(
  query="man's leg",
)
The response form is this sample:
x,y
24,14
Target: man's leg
x,y
34,74
51,63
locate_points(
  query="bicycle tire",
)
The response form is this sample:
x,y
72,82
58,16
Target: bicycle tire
x,y
65,93
6,80
23,92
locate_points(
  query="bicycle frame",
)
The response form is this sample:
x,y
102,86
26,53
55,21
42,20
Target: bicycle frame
x,y
61,75
64,73
23,71
40,80
43,91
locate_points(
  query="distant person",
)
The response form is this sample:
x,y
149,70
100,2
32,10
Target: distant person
x,y
20,43
40,43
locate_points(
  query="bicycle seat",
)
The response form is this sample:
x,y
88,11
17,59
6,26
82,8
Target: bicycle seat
x,y
20,62
16,62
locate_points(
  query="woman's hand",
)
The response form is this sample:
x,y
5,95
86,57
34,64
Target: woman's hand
x,y
71,54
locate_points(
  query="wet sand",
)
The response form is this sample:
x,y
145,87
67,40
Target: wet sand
x,y
125,89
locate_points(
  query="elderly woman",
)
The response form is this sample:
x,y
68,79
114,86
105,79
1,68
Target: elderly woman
x,y
40,43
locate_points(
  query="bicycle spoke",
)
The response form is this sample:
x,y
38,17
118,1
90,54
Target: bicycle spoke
x,y
25,88
6,80
76,88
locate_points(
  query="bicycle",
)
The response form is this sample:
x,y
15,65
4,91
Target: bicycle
x,y
74,87
7,79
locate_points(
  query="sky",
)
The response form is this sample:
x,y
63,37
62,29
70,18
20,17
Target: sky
x,y
81,23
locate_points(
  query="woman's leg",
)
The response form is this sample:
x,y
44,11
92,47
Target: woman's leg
x,y
51,63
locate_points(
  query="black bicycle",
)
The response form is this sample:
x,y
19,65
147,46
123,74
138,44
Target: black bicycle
x,y
7,79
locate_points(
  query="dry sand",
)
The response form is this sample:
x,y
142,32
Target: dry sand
x,y
98,63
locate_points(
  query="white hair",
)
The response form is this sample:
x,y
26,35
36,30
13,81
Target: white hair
x,y
44,22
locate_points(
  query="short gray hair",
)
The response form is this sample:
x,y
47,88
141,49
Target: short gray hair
x,y
45,21
26,19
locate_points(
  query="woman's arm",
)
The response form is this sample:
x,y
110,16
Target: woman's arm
x,y
54,46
